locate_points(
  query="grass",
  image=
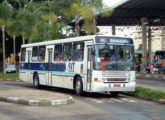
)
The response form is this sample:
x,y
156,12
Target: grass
x,y
12,76
148,93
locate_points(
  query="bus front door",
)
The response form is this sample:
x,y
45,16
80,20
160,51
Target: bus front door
x,y
28,73
49,60
89,68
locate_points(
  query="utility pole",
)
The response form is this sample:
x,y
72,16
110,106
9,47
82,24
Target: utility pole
x,y
4,64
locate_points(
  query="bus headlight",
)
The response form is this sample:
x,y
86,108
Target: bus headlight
x,y
133,80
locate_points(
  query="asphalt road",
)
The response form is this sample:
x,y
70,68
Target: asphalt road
x,y
155,84
91,106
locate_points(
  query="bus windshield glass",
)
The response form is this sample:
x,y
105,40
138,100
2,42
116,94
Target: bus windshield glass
x,y
114,57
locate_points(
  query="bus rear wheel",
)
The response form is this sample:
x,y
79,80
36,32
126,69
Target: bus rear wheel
x,y
36,82
79,86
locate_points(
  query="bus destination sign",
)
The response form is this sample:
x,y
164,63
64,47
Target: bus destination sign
x,y
113,40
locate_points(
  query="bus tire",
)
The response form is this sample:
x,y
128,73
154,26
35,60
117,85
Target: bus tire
x,y
114,94
79,86
36,82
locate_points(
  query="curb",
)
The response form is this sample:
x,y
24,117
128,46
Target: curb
x,y
11,80
69,100
150,76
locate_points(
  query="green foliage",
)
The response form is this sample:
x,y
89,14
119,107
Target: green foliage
x,y
25,21
59,6
5,14
88,26
44,31
31,17
12,76
51,17
5,11
148,93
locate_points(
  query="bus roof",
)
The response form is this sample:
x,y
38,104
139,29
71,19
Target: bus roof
x,y
66,40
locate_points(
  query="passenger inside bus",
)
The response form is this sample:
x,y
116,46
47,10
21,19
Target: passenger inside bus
x,y
81,57
58,57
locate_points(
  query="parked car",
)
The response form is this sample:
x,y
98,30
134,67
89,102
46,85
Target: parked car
x,y
10,68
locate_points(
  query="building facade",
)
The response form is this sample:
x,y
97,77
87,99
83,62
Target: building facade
x,y
157,37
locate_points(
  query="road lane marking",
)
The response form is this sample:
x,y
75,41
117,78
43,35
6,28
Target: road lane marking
x,y
112,100
116,100
128,100
97,101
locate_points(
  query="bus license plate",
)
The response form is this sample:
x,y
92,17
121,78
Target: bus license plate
x,y
116,85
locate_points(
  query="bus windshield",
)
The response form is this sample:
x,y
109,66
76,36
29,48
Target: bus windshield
x,y
114,57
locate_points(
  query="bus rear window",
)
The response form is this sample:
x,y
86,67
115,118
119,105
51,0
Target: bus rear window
x,y
23,54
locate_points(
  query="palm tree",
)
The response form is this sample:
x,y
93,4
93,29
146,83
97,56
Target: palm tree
x,y
97,9
78,12
11,30
26,18
25,21
5,14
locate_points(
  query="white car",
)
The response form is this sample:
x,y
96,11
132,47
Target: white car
x,y
10,68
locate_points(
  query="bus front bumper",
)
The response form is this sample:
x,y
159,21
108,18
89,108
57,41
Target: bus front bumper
x,y
118,87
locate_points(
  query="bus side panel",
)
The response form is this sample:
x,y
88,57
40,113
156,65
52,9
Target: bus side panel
x,y
22,76
42,78
73,68
68,75
67,82
57,80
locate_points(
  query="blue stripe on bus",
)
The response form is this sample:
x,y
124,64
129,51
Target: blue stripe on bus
x,y
57,68
53,72
60,67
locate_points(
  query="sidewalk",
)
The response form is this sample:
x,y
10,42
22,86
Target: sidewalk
x,y
148,75
31,96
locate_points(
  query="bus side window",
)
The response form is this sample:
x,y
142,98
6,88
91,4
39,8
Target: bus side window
x,y
58,53
78,51
42,53
67,52
23,54
35,54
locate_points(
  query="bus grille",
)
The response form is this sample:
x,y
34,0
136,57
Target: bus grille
x,y
115,80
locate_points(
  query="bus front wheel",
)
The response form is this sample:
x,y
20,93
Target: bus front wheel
x,y
36,82
79,86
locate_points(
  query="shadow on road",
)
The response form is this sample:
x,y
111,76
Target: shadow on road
x,y
62,90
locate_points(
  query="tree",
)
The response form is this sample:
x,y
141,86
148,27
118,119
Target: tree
x,y
97,9
78,12
47,26
26,17
44,31
25,21
11,30
5,14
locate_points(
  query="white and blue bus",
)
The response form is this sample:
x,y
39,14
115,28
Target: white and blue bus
x,y
94,63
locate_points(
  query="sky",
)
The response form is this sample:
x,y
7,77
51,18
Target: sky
x,y
111,3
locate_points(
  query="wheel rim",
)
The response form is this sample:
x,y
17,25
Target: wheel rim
x,y
35,82
78,86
